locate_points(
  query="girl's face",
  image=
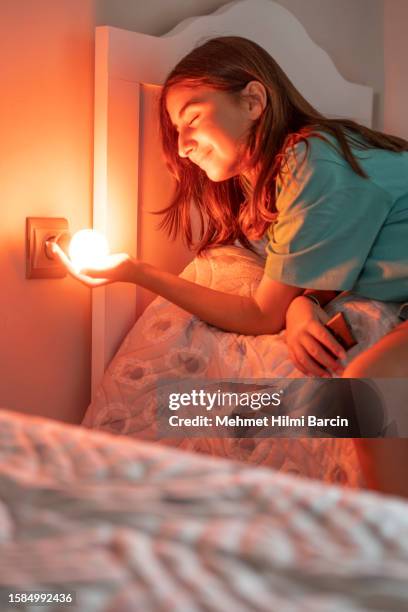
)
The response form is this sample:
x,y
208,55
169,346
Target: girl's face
x,y
213,128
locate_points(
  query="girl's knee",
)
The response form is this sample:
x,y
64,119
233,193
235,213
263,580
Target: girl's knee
x,y
370,364
386,359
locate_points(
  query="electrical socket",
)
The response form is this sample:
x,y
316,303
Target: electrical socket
x,y
38,231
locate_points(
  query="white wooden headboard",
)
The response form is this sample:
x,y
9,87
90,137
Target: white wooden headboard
x,y
129,175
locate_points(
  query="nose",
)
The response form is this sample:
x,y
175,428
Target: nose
x,y
185,145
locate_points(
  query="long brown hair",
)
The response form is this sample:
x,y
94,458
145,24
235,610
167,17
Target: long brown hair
x,y
229,210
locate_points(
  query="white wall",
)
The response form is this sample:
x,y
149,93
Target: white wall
x,y
46,110
396,70
351,31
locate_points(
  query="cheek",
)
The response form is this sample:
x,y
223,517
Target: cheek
x,y
226,146
235,138
222,132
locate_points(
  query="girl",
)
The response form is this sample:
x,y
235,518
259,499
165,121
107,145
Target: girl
x,y
258,160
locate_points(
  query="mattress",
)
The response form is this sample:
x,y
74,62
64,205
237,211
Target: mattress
x,y
130,525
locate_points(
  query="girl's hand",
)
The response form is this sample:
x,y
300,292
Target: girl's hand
x,y
312,347
115,268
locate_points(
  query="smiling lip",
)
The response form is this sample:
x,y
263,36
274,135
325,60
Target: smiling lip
x,y
199,162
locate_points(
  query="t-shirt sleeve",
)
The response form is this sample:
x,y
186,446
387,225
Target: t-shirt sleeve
x,y
328,220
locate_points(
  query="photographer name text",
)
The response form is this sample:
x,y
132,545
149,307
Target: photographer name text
x,y
259,421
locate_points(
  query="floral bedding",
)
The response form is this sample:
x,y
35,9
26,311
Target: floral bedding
x,y
167,344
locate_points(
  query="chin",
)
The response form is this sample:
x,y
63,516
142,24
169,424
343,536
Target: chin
x,y
217,176
216,179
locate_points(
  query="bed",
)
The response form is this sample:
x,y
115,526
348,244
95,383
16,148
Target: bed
x,y
128,522
166,344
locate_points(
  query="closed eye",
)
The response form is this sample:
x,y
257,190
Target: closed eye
x,y
189,124
192,121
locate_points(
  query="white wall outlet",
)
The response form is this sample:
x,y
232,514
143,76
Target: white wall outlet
x,y
38,231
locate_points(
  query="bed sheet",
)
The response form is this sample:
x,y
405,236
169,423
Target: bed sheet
x,y
167,344
129,525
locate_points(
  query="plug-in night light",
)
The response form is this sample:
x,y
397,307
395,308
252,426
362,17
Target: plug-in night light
x,y
88,249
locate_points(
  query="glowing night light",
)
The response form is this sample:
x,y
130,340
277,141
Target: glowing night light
x,y
88,249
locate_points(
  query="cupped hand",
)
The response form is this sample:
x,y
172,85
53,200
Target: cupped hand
x,y
312,347
114,268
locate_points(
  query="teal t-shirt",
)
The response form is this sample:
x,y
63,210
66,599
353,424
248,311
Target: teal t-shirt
x,y
337,230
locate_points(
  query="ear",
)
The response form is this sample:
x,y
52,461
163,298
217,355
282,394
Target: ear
x,y
254,97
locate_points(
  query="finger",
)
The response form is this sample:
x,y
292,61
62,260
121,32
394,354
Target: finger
x,y
296,363
93,276
96,282
64,260
325,337
319,354
92,282
84,279
57,252
308,365
323,316
90,272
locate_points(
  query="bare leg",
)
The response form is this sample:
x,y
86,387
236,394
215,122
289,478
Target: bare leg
x,y
384,460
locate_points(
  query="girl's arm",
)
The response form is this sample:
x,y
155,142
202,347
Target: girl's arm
x,y
262,313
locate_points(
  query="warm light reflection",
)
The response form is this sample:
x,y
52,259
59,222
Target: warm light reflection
x,y
88,249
